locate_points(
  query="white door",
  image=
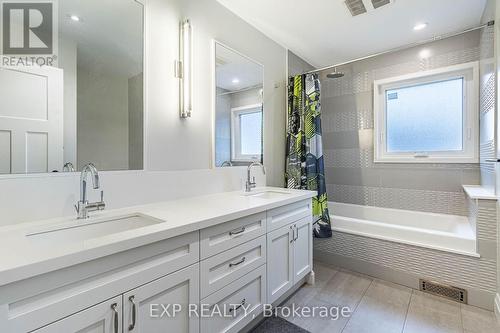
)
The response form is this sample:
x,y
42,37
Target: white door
x,y
302,249
279,262
150,308
31,119
104,317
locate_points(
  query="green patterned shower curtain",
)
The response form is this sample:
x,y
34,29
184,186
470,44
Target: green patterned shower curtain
x,y
304,152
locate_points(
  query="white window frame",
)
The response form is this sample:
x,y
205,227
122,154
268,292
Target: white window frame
x,y
236,155
470,153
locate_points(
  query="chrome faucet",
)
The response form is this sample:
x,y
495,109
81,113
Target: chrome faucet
x,y
250,184
226,164
69,167
84,206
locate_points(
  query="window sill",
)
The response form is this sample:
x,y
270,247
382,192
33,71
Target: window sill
x,y
427,160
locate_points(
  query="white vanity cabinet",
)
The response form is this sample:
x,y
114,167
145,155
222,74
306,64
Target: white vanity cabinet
x,y
105,317
289,249
34,303
236,266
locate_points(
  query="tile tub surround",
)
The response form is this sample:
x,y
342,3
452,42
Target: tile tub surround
x,y
487,89
407,263
179,218
381,306
347,114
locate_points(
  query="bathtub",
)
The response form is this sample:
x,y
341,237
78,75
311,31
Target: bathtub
x,y
449,233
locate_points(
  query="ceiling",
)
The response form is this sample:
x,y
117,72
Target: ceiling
x,y
236,72
323,32
109,35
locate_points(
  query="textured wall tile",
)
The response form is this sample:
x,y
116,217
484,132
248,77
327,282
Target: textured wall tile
x,y
487,220
459,270
420,200
348,136
487,107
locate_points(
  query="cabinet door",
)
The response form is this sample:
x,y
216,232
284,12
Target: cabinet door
x,y
104,317
279,262
302,249
150,308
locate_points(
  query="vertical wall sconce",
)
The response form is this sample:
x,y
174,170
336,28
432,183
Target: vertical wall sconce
x,y
184,69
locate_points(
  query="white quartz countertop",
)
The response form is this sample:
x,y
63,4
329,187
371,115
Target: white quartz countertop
x,y
22,258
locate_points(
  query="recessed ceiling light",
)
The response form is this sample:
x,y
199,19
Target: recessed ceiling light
x,y
236,80
425,53
420,26
74,18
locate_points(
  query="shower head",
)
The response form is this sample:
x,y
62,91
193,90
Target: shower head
x,y
335,75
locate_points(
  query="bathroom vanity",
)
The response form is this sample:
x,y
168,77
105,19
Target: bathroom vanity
x,y
158,267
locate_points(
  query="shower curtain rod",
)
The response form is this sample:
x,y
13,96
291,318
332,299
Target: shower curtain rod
x,y
433,39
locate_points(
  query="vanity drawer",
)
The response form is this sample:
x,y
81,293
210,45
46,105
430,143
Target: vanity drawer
x,y
223,237
281,216
226,267
249,291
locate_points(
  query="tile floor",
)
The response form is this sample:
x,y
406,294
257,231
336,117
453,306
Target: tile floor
x,y
380,306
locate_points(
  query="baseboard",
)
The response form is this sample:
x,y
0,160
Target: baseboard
x,y
497,307
479,298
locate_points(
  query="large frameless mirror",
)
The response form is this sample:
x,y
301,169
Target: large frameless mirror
x,y
238,108
86,106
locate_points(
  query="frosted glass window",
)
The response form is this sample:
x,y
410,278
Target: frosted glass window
x,y
251,133
426,117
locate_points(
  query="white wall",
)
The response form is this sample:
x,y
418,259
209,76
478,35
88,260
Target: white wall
x,y
172,143
192,137
297,65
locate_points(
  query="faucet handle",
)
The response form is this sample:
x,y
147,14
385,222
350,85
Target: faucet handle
x,y
102,196
77,209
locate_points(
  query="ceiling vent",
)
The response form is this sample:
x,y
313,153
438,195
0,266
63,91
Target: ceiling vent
x,y
379,3
356,7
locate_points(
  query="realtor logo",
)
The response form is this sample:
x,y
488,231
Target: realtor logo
x,y
28,28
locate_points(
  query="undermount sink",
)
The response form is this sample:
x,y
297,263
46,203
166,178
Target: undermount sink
x,y
82,230
267,194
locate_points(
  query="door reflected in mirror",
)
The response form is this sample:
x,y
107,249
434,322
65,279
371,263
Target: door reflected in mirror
x,y
238,108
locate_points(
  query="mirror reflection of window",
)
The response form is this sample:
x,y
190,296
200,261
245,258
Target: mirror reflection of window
x,y
238,109
246,133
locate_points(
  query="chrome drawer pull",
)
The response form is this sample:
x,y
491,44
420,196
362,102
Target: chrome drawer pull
x,y
132,326
239,306
115,317
237,232
238,263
